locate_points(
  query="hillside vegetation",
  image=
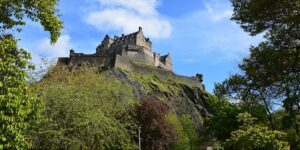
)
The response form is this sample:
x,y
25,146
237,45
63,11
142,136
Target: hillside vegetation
x,y
95,109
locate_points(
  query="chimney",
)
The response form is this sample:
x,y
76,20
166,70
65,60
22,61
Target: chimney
x,y
140,29
72,52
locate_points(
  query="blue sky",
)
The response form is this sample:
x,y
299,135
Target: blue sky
x,y
198,34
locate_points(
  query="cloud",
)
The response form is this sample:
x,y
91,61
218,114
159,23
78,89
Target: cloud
x,y
59,49
144,7
42,48
217,10
209,33
127,15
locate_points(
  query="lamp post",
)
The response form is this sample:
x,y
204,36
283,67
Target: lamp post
x,y
140,138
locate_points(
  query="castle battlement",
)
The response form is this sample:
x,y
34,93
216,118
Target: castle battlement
x,y
135,47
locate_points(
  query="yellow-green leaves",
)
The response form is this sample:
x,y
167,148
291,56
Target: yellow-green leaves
x,y
253,136
18,109
43,11
84,110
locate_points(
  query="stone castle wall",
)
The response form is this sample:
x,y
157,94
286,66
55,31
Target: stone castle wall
x,y
138,54
125,63
93,60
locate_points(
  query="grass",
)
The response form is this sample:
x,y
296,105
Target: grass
x,y
165,84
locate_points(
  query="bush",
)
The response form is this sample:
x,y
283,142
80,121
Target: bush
x,y
251,136
84,110
187,134
156,132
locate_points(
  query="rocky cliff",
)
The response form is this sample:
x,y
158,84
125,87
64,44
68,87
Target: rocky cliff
x,y
184,98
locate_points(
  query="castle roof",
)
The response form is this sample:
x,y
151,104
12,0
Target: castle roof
x,y
129,36
164,57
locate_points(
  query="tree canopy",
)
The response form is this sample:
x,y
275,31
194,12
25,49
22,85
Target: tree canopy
x,y
270,76
250,136
14,13
19,110
157,132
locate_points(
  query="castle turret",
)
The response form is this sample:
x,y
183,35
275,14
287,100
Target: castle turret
x,y
141,40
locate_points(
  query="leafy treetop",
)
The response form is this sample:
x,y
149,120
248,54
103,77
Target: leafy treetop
x,y
13,13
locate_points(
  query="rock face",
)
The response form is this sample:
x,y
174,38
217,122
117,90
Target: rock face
x,y
184,98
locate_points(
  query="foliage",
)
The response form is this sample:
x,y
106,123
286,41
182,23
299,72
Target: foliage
x,y
45,12
250,136
156,132
257,16
39,72
282,121
84,110
183,142
219,126
190,130
223,121
153,80
270,75
150,79
18,110
187,134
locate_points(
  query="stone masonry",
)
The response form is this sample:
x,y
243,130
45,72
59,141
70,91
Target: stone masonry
x,y
134,48
132,52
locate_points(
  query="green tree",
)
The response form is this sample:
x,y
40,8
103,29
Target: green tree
x,y
223,121
188,138
190,130
251,136
18,109
183,141
84,110
270,75
45,12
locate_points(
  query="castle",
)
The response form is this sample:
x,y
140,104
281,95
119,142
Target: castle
x,y
121,51
132,52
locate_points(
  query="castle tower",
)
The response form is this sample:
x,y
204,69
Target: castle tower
x,y
142,41
105,45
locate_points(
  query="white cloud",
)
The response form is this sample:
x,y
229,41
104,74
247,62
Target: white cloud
x,y
127,15
59,49
144,7
217,11
209,33
43,49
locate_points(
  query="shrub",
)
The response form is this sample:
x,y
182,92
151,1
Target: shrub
x,y
156,132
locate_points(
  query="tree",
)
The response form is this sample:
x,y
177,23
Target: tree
x,y
223,121
273,66
18,109
45,12
251,136
84,109
270,76
156,133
